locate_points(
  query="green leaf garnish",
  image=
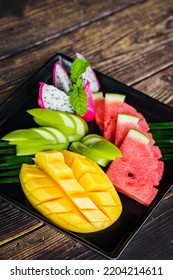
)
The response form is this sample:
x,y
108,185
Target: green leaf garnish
x,y
78,68
78,99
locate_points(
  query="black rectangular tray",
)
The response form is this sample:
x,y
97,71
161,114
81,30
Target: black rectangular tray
x,y
111,241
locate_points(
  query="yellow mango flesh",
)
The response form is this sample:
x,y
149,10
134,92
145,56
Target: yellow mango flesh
x,y
71,190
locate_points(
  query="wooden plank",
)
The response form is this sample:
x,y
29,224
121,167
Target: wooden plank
x,y
10,216
127,47
159,86
31,23
46,243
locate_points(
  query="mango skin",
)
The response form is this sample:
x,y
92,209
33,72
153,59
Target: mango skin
x,y
72,191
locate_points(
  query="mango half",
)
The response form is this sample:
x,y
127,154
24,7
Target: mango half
x,y
71,190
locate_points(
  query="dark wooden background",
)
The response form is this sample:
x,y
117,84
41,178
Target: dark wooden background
x,y
131,41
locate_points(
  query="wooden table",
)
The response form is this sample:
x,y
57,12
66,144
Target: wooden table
x,y
131,41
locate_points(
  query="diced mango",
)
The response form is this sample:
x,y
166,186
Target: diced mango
x,y
92,182
81,166
59,170
36,183
70,186
102,198
46,194
83,202
31,171
70,156
71,190
59,205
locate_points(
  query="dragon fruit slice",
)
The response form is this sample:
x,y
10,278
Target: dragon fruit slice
x,y
52,98
61,79
90,75
90,114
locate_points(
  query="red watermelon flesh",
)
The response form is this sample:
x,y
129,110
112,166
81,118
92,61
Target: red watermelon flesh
x,y
125,122
113,105
138,171
128,109
99,103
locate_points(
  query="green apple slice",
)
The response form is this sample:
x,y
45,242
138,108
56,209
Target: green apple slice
x,y
106,149
99,144
74,137
23,134
91,139
80,148
31,149
33,142
57,119
81,125
45,133
59,135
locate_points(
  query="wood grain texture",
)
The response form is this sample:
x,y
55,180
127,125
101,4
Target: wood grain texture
x,y
128,54
159,86
46,243
14,222
48,20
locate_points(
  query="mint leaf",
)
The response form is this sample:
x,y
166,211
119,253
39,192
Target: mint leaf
x,y
78,67
78,99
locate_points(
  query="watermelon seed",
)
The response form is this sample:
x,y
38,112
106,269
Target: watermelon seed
x,y
130,175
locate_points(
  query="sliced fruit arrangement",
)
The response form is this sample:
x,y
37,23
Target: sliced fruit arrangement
x,y
71,92
71,190
69,124
138,171
53,98
135,147
96,148
133,174
61,79
62,128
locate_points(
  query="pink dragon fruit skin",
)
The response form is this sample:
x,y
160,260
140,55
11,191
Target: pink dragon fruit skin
x,y
90,75
90,114
52,98
40,97
61,79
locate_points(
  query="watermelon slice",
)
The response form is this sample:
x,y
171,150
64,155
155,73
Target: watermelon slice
x,y
138,171
99,103
113,105
128,109
124,123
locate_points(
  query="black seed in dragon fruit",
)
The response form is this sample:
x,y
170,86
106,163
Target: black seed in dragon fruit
x,y
52,98
61,79
89,75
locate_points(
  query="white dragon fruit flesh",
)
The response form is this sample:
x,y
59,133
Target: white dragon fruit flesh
x,y
61,79
52,98
89,75
90,114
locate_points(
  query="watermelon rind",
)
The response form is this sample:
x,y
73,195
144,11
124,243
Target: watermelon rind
x,y
138,136
112,97
126,118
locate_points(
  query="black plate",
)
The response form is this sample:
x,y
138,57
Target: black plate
x,y
111,241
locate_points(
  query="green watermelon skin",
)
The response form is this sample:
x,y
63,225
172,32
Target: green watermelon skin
x,y
138,172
